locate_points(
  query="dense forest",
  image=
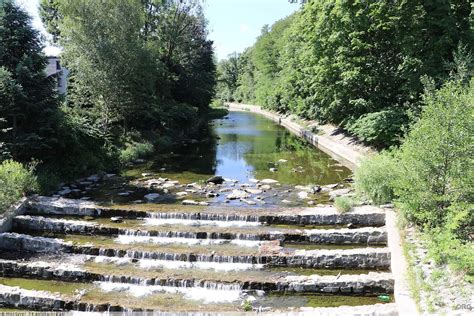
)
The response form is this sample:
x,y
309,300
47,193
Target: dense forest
x,y
356,64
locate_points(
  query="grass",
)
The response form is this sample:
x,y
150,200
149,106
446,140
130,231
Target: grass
x,y
343,204
16,180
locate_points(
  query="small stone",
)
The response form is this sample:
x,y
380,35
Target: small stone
x,y
116,219
266,187
147,174
203,203
180,194
303,195
269,181
310,202
286,201
282,160
123,194
273,169
190,202
93,178
253,191
151,196
249,202
351,226
237,194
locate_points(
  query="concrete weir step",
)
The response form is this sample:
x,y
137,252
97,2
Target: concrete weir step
x,y
347,258
327,215
365,235
46,301
373,283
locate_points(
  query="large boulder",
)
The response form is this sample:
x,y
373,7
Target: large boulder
x,y
215,180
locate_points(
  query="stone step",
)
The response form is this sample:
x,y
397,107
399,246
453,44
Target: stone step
x,y
327,215
373,283
350,258
365,235
45,301
16,297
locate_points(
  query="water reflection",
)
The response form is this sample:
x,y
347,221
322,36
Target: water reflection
x,y
244,146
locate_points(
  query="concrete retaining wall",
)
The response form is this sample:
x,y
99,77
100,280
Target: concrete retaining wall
x,y
341,152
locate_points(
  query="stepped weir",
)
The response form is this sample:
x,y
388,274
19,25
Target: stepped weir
x,y
115,243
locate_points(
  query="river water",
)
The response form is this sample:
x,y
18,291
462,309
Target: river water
x,y
241,147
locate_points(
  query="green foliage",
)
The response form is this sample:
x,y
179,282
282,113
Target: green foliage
x,y
247,306
16,180
135,65
27,97
134,150
343,204
375,178
380,129
447,246
356,64
435,160
430,177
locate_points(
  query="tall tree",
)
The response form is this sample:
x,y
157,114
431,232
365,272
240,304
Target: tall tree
x,y
28,97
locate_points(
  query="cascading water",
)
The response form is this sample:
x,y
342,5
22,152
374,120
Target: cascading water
x,y
188,238
207,292
198,219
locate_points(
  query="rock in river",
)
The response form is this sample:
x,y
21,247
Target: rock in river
x,y
215,180
268,181
237,194
151,196
190,202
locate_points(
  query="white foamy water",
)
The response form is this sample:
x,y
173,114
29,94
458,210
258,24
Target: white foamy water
x,y
169,264
195,222
227,294
204,265
129,239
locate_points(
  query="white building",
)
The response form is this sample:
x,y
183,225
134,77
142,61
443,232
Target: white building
x,y
59,73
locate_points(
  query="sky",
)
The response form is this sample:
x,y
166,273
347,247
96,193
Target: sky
x,y
233,24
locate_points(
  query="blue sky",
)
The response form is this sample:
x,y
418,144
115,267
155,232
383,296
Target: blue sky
x,y
233,24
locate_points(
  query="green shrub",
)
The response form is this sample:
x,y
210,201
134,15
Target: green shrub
x,y
134,151
375,178
381,129
446,244
437,169
16,180
343,204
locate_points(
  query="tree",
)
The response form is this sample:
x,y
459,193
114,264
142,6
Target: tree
x,y
227,76
29,103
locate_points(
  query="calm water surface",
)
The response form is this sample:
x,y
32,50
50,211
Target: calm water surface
x,y
244,146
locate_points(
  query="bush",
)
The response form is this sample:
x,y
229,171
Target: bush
x,y
134,151
343,204
381,129
375,178
16,180
446,245
437,169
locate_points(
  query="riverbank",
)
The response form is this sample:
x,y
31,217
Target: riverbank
x,y
350,153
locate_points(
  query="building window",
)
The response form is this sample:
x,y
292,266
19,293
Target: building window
x,y
59,81
58,65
